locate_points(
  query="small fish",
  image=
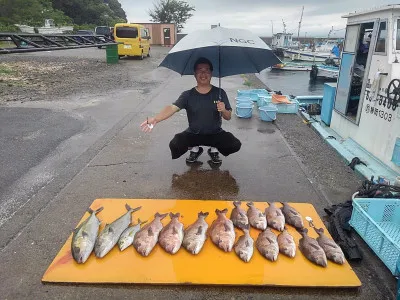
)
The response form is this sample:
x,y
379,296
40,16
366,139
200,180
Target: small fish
x,y
171,236
256,218
147,237
84,237
109,236
244,247
127,237
275,217
332,251
238,215
292,216
267,244
222,231
311,249
195,234
286,244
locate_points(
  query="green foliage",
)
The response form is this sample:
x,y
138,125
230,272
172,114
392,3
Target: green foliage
x,y
171,11
63,12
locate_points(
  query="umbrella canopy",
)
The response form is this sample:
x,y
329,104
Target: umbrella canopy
x,y
231,51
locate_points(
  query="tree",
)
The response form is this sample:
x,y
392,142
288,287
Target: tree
x,y
171,11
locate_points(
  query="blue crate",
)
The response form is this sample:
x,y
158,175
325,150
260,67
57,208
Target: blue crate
x,y
396,153
264,100
284,108
377,221
248,93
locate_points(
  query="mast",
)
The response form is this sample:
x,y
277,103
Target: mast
x,y
301,19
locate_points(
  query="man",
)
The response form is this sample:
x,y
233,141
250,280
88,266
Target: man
x,y
204,112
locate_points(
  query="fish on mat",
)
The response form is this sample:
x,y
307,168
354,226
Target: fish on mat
x,y
267,244
244,247
286,243
147,237
84,237
238,215
127,237
222,231
110,234
256,217
275,218
311,249
292,216
195,235
332,251
171,236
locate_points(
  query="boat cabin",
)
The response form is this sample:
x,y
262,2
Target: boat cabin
x,y
282,40
367,100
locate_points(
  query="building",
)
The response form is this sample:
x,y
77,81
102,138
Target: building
x,y
164,34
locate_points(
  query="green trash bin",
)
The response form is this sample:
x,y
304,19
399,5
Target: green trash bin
x,y
112,54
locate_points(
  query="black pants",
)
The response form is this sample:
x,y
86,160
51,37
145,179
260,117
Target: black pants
x,y
225,142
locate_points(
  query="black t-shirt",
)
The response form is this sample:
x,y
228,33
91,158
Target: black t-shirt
x,y
201,109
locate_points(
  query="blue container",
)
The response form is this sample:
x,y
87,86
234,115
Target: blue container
x,y
291,108
377,221
253,95
243,99
328,102
244,110
264,100
268,112
396,153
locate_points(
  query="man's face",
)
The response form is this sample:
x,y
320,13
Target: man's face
x,y
203,74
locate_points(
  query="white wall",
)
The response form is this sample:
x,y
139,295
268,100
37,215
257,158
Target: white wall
x,y
377,131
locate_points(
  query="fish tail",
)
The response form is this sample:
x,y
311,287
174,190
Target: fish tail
x,y
141,222
160,216
128,208
249,204
224,211
202,214
95,211
237,203
174,216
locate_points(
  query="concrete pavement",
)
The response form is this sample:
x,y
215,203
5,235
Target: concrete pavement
x,y
132,164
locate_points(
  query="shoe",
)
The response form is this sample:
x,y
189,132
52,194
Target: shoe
x,y
214,157
193,156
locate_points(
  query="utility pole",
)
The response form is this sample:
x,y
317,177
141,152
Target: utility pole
x,y
272,22
301,19
284,26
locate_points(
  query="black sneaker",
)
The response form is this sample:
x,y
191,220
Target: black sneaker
x,y
193,156
214,157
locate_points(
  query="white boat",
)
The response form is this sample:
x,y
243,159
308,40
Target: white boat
x,y
291,67
328,49
48,28
324,72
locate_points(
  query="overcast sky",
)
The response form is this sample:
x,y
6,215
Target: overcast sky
x,y
256,15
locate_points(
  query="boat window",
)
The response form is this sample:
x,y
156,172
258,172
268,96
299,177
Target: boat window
x,y
398,35
351,38
381,41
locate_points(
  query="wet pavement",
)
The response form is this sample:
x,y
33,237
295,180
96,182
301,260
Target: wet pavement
x,y
127,163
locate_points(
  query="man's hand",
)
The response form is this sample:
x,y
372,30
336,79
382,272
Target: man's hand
x,y
148,125
221,106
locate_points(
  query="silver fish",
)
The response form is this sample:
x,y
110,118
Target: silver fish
x,y
244,246
238,215
84,237
275,217
222,231
286,244
332,251
109,236
147,237
256,218
171,236
195,234
292,216
311,249
267,245
127,237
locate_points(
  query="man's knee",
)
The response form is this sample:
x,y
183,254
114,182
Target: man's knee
x,y
236,145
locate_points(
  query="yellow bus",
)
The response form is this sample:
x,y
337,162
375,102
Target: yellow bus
x,y
133,40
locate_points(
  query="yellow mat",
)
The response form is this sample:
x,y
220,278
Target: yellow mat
x,y
210,267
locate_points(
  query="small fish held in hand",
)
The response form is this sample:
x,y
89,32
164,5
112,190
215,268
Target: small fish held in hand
x,y
244,247
222,231
286,244
267,245
256,218
109,236
171,236
147,237
238,216
127,237
275,217
84,237
196,234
